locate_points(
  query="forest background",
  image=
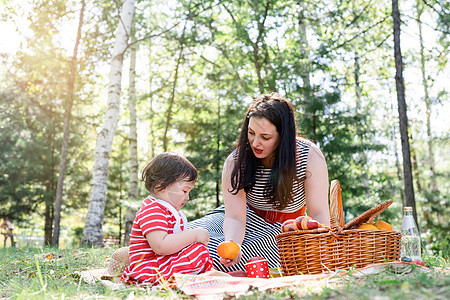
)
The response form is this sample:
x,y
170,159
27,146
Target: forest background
x,y
91,90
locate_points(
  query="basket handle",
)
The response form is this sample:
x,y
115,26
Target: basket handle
x,y
336,209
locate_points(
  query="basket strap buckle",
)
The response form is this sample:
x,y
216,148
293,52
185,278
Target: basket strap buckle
x,y
271,216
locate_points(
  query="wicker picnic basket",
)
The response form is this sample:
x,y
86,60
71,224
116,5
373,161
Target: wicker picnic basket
x,y
340,246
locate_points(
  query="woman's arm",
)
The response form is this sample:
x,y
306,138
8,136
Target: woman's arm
x,y
163,243
316,186
235,210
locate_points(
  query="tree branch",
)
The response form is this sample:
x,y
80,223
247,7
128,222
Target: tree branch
x,y
357,35
188,17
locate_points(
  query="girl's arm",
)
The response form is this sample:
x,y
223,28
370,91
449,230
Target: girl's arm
x,y
163,243
316,186
235,210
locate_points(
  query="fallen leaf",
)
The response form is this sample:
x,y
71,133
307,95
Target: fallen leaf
x,y
405,286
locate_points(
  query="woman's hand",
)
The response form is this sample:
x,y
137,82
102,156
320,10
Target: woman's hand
x,y
229,262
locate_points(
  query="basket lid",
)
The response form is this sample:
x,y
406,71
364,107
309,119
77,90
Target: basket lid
x,y
368,215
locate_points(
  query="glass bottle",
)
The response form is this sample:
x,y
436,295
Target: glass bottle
x,y
410,236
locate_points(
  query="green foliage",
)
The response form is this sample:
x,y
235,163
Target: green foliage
x,y
32,100
210,142
435,214
77,233
344,136
227,52
117,186
27,163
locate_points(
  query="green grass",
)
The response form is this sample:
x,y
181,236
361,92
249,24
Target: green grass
x,y
386,285
29,273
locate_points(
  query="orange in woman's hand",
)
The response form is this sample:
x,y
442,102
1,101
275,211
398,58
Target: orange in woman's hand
x,y
228,250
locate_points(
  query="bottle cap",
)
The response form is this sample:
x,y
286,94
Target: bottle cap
x,y
407,208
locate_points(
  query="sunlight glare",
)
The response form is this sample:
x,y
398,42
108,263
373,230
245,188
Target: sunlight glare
x,y
9,43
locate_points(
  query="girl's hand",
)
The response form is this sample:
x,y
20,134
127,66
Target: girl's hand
x,y
230,262
202,236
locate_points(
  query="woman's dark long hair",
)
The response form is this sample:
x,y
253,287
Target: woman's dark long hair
x,y
280,113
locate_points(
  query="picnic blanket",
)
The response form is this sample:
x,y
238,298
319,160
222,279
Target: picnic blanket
x,y
216,283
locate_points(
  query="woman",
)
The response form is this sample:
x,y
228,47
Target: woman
x,y
271,176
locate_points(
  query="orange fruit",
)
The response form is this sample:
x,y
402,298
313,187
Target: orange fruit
x,y
228,250
383,225
367,227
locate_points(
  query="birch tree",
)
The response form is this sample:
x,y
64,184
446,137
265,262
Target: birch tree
x,y
93,233
132,137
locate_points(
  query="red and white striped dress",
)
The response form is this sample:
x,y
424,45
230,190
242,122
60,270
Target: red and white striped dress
x,y
148,267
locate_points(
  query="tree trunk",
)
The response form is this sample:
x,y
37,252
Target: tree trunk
x,y
363,156
255,47
217,160
403,118
48,216
415,165
151,112
399,172
65,145
257,67
133,183
93,233
304,50
50,187
172,95
393,134
434,186
305,73
357,83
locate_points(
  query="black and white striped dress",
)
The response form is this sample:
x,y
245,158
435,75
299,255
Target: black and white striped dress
x,y
260,235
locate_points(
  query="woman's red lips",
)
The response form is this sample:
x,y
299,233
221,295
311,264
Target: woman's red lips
x,y
258,151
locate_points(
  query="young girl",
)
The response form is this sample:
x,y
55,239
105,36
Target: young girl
x,y
159,243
